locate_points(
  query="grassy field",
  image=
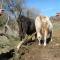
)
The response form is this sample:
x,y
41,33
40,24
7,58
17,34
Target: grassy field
x,y
32,51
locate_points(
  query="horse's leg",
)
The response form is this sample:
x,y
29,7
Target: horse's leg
x,y
51,35
39,38
45,37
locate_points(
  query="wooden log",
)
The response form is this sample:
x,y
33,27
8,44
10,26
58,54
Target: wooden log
x,y
25,40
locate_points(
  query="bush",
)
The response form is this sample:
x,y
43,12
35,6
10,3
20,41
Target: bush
x,y
3,20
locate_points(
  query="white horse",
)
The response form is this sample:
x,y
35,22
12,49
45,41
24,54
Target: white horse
x,y
44,28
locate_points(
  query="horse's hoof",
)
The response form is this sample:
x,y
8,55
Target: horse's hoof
x,y
39,44
44,44
51,40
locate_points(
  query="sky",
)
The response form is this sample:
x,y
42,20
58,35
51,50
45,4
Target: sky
x,y
47,7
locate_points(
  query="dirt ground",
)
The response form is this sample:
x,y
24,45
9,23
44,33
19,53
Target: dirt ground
x,y
50,52
32,51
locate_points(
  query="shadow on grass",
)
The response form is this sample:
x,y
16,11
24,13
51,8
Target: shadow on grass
x,y
7,56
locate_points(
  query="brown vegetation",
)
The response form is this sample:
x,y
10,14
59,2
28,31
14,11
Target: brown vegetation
x,y
35,52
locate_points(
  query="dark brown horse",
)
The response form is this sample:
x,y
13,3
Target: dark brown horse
x,y
26,26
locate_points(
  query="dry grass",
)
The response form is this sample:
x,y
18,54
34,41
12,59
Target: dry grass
x,y
50,52
32,51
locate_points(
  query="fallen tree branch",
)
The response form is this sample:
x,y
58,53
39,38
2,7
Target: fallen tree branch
x,y
4,34
25,40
